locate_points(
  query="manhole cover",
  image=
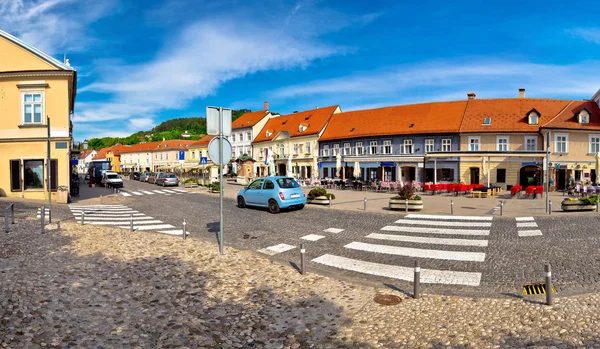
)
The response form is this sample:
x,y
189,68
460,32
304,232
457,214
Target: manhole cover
x,y
387,299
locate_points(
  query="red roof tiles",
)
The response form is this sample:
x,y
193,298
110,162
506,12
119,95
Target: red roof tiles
x,y
316,119
568,117
249,119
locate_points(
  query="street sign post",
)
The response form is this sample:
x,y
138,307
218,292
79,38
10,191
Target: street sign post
x,y
218,122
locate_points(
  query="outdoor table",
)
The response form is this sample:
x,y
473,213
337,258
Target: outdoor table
x,y
358,185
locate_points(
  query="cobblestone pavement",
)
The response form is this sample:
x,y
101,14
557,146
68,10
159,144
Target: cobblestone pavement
x,y
98,287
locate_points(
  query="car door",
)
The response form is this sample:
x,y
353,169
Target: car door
x,y
252,193
268,191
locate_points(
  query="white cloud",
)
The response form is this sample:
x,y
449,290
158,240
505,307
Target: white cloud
x,y
587,34
142,124
432,80
54,26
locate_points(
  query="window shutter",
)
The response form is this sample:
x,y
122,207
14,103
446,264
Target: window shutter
x,y
53,175
15,175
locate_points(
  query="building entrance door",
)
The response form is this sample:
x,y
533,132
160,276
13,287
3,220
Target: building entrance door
x,y
474,175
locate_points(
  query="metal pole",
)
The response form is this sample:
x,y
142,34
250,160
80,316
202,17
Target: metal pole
x,y
417,280
49,216
184,230
6,220
131,225
221,178
42,216
83,217
12,209
501,207
547,170
548,284
451,206
596,205
406,205
550,207
302,265
330,202
49,175
365,204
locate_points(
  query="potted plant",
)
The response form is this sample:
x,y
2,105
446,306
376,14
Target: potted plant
x,y
215,187
319,196
587,203
406,196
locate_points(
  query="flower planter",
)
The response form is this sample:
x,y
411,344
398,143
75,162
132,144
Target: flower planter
x,y
400,205
576,206
319,200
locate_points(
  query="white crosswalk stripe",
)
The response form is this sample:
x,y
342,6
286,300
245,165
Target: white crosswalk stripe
x,y
124,193
419,231
273,250
121,216
136,193
528,223
166,192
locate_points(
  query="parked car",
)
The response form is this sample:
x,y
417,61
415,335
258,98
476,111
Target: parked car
x,y
111,179
135,176
167,179
144,177
153,176
275,193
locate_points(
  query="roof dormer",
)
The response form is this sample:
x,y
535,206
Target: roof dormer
x,y
302,127
269,133
583,117
533,117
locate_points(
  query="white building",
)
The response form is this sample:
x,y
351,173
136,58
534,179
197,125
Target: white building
x,y
85,157
246,128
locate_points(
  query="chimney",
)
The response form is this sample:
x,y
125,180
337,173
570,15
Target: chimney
x,y
266,105
521,93
471,95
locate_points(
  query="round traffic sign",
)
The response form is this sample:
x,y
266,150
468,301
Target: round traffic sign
x,y
214,152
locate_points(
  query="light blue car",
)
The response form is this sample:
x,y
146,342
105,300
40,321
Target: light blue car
x,y
275,193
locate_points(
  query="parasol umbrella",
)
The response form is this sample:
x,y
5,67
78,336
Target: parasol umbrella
x,y
289,166
356,172
338,164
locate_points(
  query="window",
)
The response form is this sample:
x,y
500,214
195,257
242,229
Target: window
x,y
268,185
445,174
336,149
307,147
281,150
584,117
32,107
193,155
429,145
287,183
34,174
594,144
533,118
359,148
501,175
530,143
446,144
473,143
561,143
249,151
373,147
502,143
260,153
387,147
408,146
233,137
167,156
347,149
487,121
257,184
248,136
326,150
296,145
15,175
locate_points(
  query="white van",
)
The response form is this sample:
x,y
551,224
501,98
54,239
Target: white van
x,y
111,179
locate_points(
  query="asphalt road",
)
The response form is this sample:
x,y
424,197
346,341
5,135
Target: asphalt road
x,y
457,256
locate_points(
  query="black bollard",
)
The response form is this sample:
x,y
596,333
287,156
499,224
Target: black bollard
x,y
548,284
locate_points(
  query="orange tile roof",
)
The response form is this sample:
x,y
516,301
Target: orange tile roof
x,y
436,117
202,142
568,117
101,154
141,147
174,144
316,119
509,114
249,119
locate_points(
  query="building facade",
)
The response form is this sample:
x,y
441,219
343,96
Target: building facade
x,y
244,130
294,138
34,87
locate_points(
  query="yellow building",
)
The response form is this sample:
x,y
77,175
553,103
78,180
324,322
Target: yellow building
x,y
195,151
33,86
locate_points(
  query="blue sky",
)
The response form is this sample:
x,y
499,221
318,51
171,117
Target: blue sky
x,y
141,62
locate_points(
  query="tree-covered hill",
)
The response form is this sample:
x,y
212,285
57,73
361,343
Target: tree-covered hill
x,y
169,129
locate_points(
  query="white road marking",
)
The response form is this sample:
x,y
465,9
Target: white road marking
x,y
417,252
169,191
333,230
426,240
104,212
97,206
174,232
158,191
312,237
530,232
524,219
136,193
88,214
527,224
135,218
273,250
440,231
443,224
125,193
120,223
147,192
149,227
180,190
428,276
458,218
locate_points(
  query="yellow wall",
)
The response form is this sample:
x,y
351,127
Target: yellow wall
x,y
15,58
487,142
512,165
578,156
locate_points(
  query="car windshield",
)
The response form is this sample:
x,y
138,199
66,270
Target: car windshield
x,y
170,176
113,176
287,183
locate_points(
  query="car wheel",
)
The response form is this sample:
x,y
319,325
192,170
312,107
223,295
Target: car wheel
x,y
300,207
273,206
241,202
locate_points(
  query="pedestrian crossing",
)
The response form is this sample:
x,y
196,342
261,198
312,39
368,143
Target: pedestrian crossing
x,y
526,225
432,239
166,192
121,216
